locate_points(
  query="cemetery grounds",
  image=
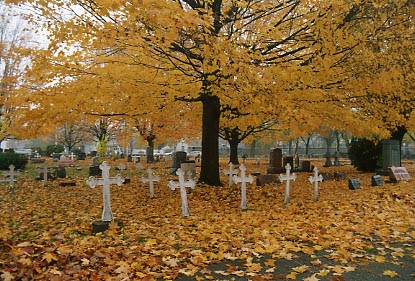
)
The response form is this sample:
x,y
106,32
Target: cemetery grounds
x,y
363,234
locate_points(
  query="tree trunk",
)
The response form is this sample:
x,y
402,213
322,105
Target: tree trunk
x,y
209,170
233,157
398,134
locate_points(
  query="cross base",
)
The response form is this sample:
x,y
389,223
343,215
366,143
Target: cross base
x,y
101,226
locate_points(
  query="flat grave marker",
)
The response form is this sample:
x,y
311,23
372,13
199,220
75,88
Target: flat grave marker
x,y
377,180
354,183
397,174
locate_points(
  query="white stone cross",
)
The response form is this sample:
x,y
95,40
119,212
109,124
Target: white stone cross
x,y
45,174
105,181
139,166
287,177
231,172
243,179
317,178
72,156
11,173
182,184
150,179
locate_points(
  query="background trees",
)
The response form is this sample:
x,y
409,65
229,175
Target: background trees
x,y
305,64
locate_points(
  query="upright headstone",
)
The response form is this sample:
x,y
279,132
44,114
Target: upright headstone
x,y
150,179
288,160
182,184
305,166
243,179
189,169
287,177
275,161
105,181
230,172
177,158
316,179
391,154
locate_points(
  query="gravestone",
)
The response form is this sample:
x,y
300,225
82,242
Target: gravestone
x,y
105,181
316,179
339,176
182,184
150,179
287,177
391,154
265,179
377,180
177,158
243,179
288,160
94,171
189,169
398,173
61,172
305,166
327,176
275,161
354,183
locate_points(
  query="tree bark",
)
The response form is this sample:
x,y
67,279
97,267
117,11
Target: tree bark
x,y
233,157
209,171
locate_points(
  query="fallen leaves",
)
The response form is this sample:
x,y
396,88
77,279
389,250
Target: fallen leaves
x,y
49,232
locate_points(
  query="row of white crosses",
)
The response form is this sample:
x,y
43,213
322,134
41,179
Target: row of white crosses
x,y
182,184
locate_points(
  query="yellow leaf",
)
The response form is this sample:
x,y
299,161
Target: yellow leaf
x,y
270,262
301,269
380,259
6,276
312,278
49,257
390,273
323,272
292,275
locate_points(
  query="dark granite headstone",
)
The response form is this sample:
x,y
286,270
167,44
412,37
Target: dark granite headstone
x,y
327,176
94,171
265,179
275,161
339,176
61,172
288,160
377,180
354,183
177,158
306,166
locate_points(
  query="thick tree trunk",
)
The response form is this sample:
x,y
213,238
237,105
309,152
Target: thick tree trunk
x,y
398,134
233,157
209,171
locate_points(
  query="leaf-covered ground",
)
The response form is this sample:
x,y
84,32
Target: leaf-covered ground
x,y
365,234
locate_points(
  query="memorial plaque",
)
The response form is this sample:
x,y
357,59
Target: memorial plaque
x,y
377,180
354,183
398,173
